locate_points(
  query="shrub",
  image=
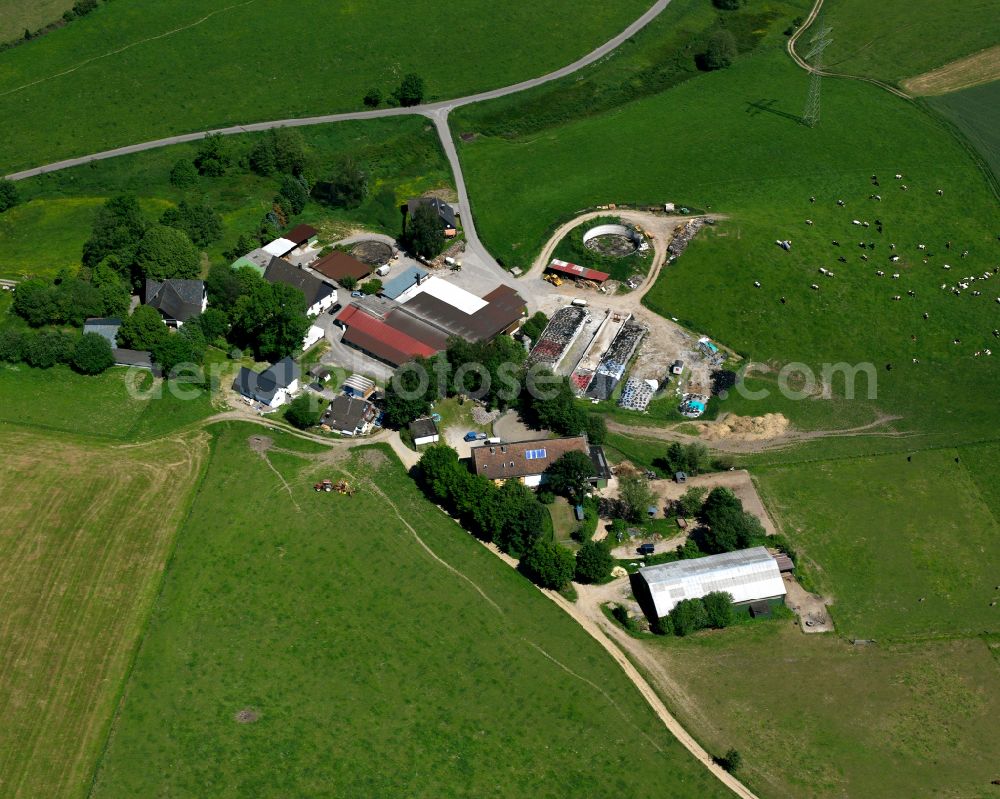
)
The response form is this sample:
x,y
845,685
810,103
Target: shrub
x,y
92,354
688,616
166,252
593,562
727,5
535,325
47,349
348,282
373,97
9,194
411,90
548,564
304,411
183,174
721,51
295,192
213,157
373,286
718,609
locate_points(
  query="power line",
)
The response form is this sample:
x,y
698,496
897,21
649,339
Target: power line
x,y
820,41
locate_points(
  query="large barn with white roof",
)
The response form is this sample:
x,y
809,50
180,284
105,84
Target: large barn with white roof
x,y
750,575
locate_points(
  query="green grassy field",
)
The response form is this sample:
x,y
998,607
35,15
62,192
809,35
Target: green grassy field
x,y
908,550
85,532
16,16
761,168
896,39
401,156
374,669
131,63
976,113
818,717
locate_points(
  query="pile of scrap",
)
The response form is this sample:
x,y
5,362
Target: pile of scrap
x,y
636,394
682,237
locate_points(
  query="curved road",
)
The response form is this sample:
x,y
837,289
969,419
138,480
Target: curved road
x,y
433,110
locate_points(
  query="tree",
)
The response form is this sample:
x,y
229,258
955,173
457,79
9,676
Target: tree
x,y
721,51
594,562
424,233
688,616
373,97
690,503
224,286
214,324
83,7
549,407
143,330
294,191
166,252
549,564
718,609
117,230
173,350
76,301
729,529
183,174
13,344
116,298
727,5
285,326
9,194
438,472
347,185
520,519
404,401
569,473
278,150
200,222
213,158
92,354
347,282
411,90
244,244
596,429
373,286
48,348
636,495
34,301
718,499
304,411
731,761
535,325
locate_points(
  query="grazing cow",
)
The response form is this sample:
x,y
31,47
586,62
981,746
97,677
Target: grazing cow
x,y
814,287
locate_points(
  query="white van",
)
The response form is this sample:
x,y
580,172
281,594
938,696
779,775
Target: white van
x,y
579,303
383,270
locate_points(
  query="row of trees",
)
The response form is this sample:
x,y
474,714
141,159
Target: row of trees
x,y
410,92
88,354
9,194
690,458
510,516
70,300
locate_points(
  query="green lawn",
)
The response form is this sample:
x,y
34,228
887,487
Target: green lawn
x,y
374,670
908,549
402,157
896,39
976,113
814,716
131,75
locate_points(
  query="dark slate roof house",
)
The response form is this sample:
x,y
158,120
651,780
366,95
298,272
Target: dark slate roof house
x,y
444,211
271,383
348,415
176,300
315,290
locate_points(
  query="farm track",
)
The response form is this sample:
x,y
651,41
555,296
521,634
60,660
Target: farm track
x,y
813,14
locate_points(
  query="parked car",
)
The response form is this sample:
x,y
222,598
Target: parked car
x,y
471,436
646,549
356,294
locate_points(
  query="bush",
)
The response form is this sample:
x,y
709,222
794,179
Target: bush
x,y
718,609
373,286
9,194
47,349
731,761
688,616
721,51
83,7
167,252
373,98
535,325
594,562
549,565
183,174
596,429
213,157
295,192
727,5
92,354
346,187
304,411
143,330
349,283
201,223
13,344
411,90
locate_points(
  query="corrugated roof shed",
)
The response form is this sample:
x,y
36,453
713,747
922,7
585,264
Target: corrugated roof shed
x,y
748,574
300,234
404,280
376,337
338,265
574,270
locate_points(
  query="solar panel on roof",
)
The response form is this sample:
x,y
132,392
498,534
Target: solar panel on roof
x,y
535,454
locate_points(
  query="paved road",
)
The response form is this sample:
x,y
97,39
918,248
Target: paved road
x,y
433,110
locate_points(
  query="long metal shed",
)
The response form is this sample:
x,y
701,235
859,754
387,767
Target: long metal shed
x,y
748,574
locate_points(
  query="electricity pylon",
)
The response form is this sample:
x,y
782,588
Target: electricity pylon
x,y
819,42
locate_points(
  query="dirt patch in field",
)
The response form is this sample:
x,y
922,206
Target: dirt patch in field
x,y
745,428
373,458
981,67
246,716
260,444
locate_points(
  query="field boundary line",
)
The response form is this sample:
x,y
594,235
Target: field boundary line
x,y
157,592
